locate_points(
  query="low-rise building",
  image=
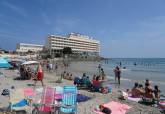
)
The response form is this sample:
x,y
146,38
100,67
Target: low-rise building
x,y
24,47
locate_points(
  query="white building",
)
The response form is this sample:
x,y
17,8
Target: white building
x,y
23,47
78,43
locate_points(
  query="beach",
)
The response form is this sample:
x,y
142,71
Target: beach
x,y
87,107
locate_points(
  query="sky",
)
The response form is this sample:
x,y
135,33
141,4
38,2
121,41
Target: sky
x,y
125,28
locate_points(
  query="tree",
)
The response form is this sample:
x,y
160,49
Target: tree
x,y
67,50
29,52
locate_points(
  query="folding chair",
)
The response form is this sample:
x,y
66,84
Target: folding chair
x,y
69,100
46,103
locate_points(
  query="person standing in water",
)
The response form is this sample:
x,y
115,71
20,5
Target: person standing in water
x,y
117,74
99,67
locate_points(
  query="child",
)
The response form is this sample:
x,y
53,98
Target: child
x,y
104,109
157,92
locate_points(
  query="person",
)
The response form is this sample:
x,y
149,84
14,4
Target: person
x,y
104,78
56,67
156,92
148,91
67,76
50,66
70,77
88,82
83,79
39,75
96,84
117,74
147,82
120,64
47,65
102,72
94,78
104,109
136,92
99,67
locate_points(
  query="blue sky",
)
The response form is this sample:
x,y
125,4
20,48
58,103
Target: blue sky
x,y
126,28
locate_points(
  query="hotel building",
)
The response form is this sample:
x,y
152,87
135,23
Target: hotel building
x,y
23,47
78,43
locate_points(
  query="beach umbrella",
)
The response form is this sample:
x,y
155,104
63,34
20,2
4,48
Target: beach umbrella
x,y
4,63
30,62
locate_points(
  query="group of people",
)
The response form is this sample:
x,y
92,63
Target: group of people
x,y
146,92
26,72
67,75
94,85
50,66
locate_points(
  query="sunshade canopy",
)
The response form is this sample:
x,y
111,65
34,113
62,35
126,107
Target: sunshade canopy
x,y
4,63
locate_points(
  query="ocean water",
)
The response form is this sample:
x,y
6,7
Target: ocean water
x,y
137,70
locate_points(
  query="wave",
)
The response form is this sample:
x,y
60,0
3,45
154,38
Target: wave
x,y
130,80
142,70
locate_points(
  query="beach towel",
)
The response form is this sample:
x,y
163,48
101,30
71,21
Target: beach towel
x,y
134,99
21,103
18,101
82,98
115,107
28,92
59,92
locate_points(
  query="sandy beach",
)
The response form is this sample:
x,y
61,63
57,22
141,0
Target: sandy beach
x,y
50,79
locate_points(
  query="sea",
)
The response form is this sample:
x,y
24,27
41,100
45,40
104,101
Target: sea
x,y
132,70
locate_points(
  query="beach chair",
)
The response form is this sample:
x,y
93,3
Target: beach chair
x,y
18,101
69,100
46,103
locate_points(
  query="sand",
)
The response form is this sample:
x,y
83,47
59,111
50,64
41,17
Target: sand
x,y
83,108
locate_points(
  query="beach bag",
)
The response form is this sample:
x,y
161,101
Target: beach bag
x,y
104,90
122,95
5,92
109,87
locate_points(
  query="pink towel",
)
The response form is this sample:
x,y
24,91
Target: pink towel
x,y
28,92
116,108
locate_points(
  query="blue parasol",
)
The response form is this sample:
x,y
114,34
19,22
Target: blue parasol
x,y
4,63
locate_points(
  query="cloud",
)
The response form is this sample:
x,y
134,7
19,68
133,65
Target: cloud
x,y
16,9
